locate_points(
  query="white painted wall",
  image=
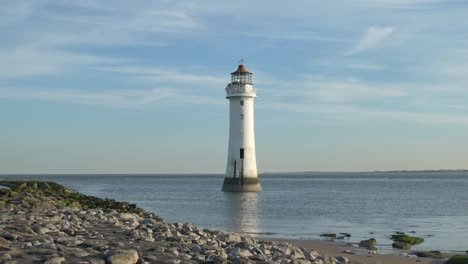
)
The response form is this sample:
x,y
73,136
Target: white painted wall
x,y
241,130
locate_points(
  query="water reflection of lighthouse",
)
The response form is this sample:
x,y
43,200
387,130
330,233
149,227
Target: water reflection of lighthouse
x,y
243,210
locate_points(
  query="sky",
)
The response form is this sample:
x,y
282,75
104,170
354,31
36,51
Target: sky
x,y
117,86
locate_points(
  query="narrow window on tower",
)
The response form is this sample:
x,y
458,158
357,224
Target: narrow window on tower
x,y
241,153
242,116
242,102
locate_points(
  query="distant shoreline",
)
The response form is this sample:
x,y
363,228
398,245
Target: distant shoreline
x,y
218,174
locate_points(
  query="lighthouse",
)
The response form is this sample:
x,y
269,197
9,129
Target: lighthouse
x,y
241,169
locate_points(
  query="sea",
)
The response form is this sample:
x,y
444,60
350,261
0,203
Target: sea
x,y
432,205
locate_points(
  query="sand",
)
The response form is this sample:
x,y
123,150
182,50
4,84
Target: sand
x,y
362,255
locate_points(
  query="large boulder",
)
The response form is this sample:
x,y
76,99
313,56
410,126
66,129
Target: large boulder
x,y
459,259
369,244
430,254
403,241
401,245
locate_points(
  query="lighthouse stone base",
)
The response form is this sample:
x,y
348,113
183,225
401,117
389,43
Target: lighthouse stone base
x,y
241,185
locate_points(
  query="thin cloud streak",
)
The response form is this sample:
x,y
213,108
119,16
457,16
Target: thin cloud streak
x,y
24,61
158,74
356,113
129,99
372,38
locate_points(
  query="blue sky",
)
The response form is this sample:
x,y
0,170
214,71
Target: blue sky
x,y
138,86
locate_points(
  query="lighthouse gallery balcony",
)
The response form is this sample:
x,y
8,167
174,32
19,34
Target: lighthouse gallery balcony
x,y
247,90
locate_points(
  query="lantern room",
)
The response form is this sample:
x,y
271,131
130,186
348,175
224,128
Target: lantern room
x,y
241,76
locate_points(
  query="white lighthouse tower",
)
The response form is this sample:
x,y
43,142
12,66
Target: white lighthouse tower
x,y
241,169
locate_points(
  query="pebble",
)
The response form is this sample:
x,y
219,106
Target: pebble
x,y
65,234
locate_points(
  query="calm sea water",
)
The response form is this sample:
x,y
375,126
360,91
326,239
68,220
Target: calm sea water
x,y
302,206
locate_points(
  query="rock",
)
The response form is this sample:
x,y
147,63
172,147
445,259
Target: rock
x,y
347,251
96,261
56,260
4,243
407,239
459,259
122,257
228,237
310,255
296,254
69,241
41,230
327,259
133,219
239,252
216,259
151,258
329,235
430,254
5,256
345,234
369,243
25,245
401,245
164,257
10,236
258,257
342,259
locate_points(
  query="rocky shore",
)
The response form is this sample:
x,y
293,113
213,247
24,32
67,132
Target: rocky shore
x,y
44,222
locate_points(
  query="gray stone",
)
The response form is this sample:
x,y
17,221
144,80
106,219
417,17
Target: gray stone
x,y
229,237
401,245
239,252
122,257
96,261
342,259
41,230
10,236
369,244
4,242
5,256
25,245
258,257
56,260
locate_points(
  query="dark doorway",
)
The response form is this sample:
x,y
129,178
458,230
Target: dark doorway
x,y
241,153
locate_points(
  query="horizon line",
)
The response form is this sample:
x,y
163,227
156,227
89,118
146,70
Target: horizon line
x,y
215,174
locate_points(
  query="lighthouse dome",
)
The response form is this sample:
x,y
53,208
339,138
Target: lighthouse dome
x,y
241,75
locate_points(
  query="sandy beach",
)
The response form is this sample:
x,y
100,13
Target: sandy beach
x,y
362,256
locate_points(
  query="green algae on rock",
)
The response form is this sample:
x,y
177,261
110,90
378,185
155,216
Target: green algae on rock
x,y
28,193
403,241
329,235
430,254
369,244
459,259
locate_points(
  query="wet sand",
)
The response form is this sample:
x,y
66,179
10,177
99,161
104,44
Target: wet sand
x,y
362,256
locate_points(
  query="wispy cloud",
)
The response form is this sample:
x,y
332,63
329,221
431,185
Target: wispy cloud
x,y
158,75
373,37
62,36
347,112
130,99
122,98
23,61
326,89
363,66
399,4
